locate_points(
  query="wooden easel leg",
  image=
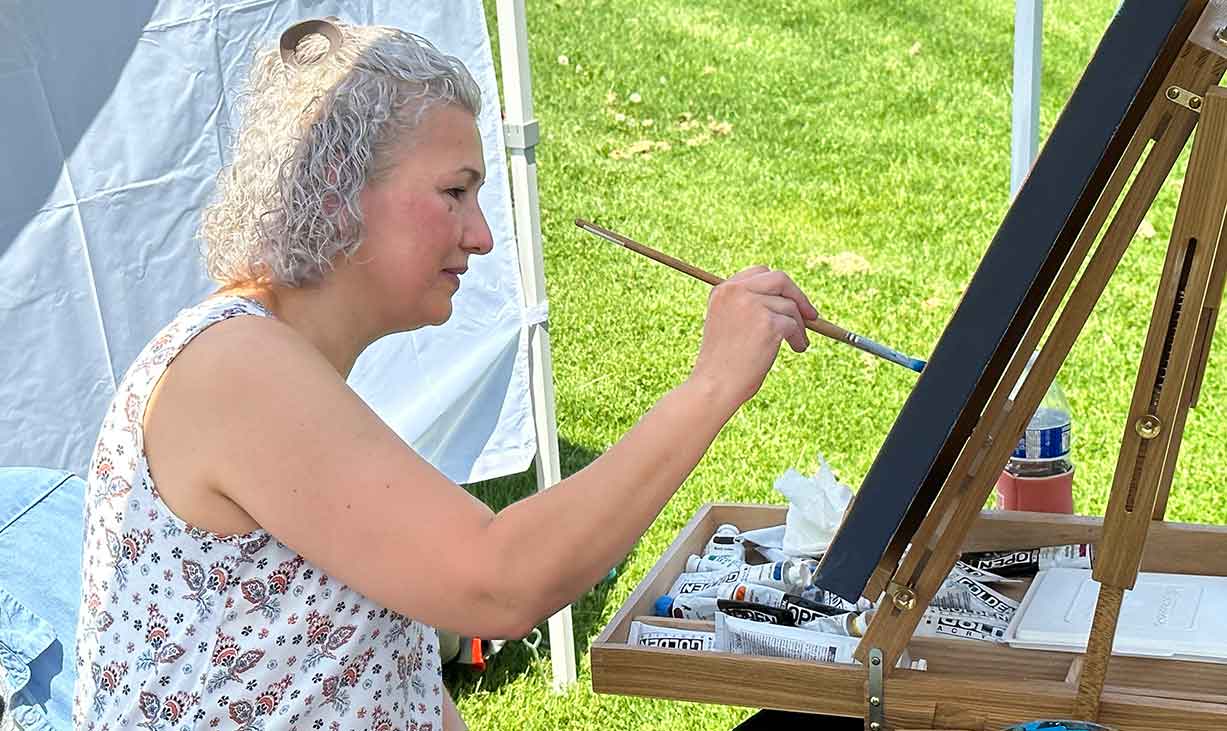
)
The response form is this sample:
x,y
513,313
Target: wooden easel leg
x,y
1160,392
935,544
1197,372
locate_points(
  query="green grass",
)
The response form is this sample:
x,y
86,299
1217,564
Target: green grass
x,y
855,128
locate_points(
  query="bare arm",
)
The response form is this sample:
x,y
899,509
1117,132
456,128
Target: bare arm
x,y
307,460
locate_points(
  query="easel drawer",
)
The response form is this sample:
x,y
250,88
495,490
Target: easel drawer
x,y
968,685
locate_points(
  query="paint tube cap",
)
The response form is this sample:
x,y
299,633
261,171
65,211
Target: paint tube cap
x,y
664,605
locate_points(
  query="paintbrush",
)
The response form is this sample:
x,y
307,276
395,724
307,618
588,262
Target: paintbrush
x,y
818,325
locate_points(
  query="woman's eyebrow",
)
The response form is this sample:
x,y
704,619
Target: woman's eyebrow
x,y
473,173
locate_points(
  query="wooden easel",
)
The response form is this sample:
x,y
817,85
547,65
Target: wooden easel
x,y
1168,383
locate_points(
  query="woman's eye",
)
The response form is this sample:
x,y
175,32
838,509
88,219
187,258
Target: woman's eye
x,y
456,193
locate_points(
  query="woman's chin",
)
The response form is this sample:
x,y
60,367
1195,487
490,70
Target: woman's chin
x,y
441,315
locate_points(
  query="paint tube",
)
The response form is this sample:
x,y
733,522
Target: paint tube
x,y
789,575
757,593
722,562
982,576
726,541
695,583
938,623
754,612
743,637
671,638
771,553
964,594
845,625
769,537
768,542
804,610
1027,562
702,604
686,606
783,575
689,606
822,596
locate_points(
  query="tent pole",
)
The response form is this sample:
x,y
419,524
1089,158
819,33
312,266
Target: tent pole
x,y
520,129
1028,64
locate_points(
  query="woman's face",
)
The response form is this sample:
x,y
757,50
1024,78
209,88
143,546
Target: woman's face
x,y
423,221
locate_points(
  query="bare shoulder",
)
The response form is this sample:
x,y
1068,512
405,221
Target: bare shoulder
x,y
262,429
252,389
224,383
240,352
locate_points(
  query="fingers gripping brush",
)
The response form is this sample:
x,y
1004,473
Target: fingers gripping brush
x,y
818,325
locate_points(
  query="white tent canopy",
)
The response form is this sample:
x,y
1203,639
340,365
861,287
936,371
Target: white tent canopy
x,y
119,118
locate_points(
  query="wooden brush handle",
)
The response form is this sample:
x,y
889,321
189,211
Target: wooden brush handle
x,y
818,325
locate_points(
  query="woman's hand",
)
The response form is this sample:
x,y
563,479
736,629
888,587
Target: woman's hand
x,y
747,318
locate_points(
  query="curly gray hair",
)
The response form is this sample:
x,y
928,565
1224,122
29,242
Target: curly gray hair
x,y
315,130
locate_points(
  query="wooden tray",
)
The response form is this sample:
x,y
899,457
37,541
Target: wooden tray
x,y
968,685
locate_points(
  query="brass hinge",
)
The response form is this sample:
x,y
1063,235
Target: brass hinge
x,y
1184,98
876,718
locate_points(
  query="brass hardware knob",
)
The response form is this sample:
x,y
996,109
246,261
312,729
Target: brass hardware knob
x,y
904,599
1148,427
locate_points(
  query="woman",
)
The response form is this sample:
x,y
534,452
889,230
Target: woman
x,y
261,550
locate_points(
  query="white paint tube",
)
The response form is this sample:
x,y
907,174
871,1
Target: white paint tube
x,y
822,596
726,540
695,583
789,575
782,575
687,606
936,623
982,576
712,562
756,593
703,604
769,537
743,637
1026,562
964,594
754,612
961,625
768,542
672,638
803,610
845,625
771,553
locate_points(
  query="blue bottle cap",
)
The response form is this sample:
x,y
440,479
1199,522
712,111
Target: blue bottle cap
x,y
663,605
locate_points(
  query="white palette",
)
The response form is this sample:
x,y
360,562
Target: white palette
x,y
1165,615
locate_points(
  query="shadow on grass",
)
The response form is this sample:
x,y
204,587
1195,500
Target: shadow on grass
x,y
516,659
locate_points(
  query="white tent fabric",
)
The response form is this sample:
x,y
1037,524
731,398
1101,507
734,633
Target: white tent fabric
x,y
116,118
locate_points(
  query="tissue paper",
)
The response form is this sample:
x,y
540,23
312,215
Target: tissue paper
x,y
816,507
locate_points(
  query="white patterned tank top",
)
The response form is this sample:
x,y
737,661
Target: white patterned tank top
x,y
181,628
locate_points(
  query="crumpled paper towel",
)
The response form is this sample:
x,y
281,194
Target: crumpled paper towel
x,y
816,507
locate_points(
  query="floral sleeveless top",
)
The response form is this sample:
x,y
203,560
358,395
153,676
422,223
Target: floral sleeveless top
x,y
180,628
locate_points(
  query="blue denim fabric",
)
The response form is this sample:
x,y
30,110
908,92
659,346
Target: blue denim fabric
x,y
40,590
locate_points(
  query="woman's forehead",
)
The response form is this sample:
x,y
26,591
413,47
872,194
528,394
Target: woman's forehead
x,y
446,140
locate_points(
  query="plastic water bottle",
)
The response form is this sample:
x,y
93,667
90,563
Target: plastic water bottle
x,y
1043,449
1039,475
